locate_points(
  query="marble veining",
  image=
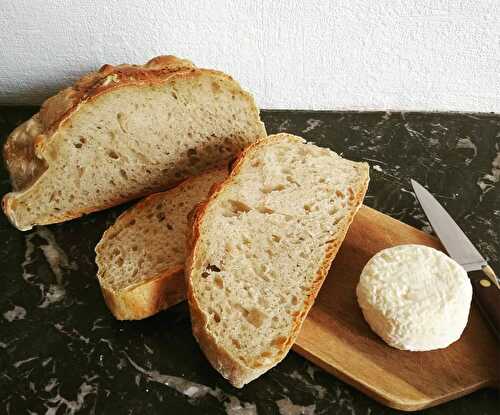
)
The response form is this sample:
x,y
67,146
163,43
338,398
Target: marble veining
x,y
287,407
195,390
62,352
17,313
55,256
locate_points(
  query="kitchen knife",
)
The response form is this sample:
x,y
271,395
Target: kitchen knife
x,y
461,249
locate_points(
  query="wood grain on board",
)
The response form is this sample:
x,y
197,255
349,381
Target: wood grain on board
x,y
336,337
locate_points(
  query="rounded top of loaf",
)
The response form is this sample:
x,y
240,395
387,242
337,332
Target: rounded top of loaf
x,y
108,77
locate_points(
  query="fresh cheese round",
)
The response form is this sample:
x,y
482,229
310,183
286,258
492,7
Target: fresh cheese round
x,y
415,297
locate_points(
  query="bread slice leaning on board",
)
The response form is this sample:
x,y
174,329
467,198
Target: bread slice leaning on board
x,y
141,257
261,247
121,133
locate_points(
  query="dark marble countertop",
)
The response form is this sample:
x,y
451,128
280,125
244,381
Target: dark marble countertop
x,y
61,351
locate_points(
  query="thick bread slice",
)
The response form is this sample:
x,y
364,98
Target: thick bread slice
x,y
261,247
141,257
122,133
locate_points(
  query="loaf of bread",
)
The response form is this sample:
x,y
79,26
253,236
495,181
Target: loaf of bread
x,y
121,133
261,247
141,257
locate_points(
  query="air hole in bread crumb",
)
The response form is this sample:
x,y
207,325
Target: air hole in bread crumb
x,y
218,282
160,216
351,193
120,118
83,140
132,222
239,207
78,145
119,261
174,95
134,248
255,317
123,174
265,210
216,317
294,300
275,188
213,268
307,208
278,341
113,235
275,238
169,226
113,154
236,343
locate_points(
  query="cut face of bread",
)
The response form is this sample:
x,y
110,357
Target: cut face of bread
x,y
122,133
261,248
141,257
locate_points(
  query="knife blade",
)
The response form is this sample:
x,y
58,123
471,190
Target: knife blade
x,y
462,250
458,245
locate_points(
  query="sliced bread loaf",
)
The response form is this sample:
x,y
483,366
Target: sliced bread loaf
x,y
261,247
121,133
141,257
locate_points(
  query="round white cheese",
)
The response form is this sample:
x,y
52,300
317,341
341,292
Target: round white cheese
x,y
415,297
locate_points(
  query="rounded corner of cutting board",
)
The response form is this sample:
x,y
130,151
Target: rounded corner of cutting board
x,y
398,402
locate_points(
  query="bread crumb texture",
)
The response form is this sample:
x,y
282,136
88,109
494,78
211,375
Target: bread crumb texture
x,y
122,133
266,239
139,255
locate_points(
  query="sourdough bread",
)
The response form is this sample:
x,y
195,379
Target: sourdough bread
x,y
121,133
141,257
261,247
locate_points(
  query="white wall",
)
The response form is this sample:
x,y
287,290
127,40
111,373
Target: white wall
x,y
348,54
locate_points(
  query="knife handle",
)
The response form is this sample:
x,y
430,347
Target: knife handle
x,y
487,297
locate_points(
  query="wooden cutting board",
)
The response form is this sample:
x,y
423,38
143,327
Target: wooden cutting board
x,y
336,337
